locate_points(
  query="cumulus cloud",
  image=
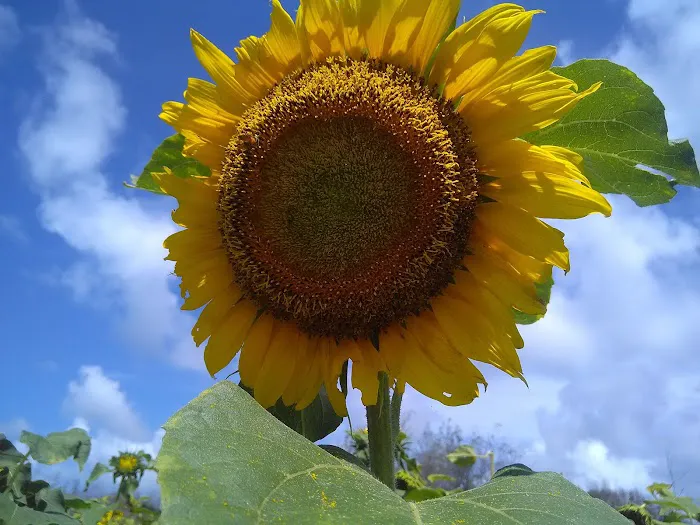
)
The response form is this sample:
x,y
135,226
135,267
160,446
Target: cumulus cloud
x,y
99,405
78,118
663,48
99,400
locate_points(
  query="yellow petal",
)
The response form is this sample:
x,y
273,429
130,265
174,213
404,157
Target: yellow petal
x,y
511,288
476,293
206,126
196,199
227,339
365,370
282,38
220,68
521,108
401,44
437,21
302,366
373,21
453,387
203,97
437,347
320,29
215,312
393,347
263,62
353,36
497,43
335,396
523,232
547,195
457,46
528,267
202,279
530,63
278,365
192,243
512,157
255,350
566,155
474,336
319,353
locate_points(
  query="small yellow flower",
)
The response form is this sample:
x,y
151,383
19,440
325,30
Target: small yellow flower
x,y
370,198
111,517
127,463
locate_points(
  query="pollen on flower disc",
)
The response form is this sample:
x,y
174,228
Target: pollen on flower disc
x,y
346,197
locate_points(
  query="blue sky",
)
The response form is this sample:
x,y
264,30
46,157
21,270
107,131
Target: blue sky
x,y
92,331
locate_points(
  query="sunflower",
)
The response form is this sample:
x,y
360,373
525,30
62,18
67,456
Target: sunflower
x,y
127,463
370,199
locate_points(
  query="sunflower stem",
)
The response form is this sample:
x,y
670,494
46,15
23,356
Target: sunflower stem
x,y
379,430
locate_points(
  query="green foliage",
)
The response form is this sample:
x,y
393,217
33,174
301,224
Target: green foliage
x,y
168,155
464,456
314,422
668,507
225,459
616,130
57,447
98,470
343,454
24,501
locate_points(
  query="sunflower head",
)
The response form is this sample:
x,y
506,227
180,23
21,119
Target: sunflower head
x,y
127,463
370,199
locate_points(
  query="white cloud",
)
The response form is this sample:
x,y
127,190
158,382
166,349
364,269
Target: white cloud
x,y
565,52
593,462
663,48
99,401
10,32
65,141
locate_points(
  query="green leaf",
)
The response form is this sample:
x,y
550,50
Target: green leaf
x,y
10,458
463,456
58,446
13,514
9,455
424,494
433,478
226,460
314,422
544,293
76,503
661,489
616,130
95,513
97,471
168,155
673,502
341,453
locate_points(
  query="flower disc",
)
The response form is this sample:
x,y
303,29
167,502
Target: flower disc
x,y
346,197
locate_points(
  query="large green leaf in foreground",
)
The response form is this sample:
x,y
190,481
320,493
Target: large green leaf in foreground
x,y
618,128
225,459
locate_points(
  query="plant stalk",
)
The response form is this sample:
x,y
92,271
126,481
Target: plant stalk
x,y
379,430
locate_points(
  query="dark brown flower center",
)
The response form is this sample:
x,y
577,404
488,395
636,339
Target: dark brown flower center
x,y
346,197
